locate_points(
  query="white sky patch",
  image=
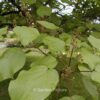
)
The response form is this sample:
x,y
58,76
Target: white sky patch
x,y
96,21
67,10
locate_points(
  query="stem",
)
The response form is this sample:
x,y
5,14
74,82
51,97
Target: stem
x,y
70,58
83,71
72,47
42,51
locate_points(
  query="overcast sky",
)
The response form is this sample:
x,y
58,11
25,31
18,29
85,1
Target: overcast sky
x,y
68,9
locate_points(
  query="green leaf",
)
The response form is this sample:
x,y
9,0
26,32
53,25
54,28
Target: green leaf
x,y
91,88
48,61
94,42
43,0
44,11
55,45
96,74
3,30
89,58
96,27
29,1
67,1
65,98
48,25
66,38
96,34
2,51
10,62
53,18
34,84
26,34
84,70
75,97
81,29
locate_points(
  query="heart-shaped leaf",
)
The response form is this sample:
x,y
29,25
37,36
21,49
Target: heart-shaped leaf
x,y
10,62
34,84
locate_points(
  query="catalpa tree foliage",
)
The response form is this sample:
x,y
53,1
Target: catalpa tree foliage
x,y
47,53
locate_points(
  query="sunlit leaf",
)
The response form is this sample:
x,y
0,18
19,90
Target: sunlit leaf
x,y
2,51
26,34
55,45
48,61
10,62
34,84
3,30
84,70
89,58
96,74
94,41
